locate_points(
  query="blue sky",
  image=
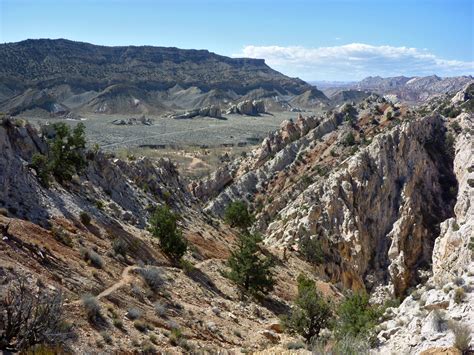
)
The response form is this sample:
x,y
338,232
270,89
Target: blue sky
x,y
315,40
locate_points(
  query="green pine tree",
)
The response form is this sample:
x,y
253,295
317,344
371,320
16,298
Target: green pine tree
x,y
312,313
237,215
249,268
164,227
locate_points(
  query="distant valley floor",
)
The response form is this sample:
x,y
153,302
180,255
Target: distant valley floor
x,y
233,130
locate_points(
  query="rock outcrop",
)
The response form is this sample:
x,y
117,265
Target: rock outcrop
x,y
207,188
120,185
248,107
429,313
208,111
380,212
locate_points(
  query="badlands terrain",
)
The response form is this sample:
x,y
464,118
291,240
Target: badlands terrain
x,y
367,192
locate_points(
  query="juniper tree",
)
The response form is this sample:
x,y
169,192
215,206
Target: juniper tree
x,y
250,269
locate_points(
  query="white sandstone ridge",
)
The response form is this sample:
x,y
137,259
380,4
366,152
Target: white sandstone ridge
x,y
377,215
276,141
425,319
277,152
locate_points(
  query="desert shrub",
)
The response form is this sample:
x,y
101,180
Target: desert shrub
x,y
311,314
92,308
106,336
140,325
249,268
148,348
451,112
187,266
134,313
93,258
152,277
462,336
164,227
459,295
100,204
439,320
85,218
39,163
238,215
120,247
306,180
62,236
160,309
456,127
357,317
118,323
449,145
351,346
28,318
153,338
175,336
311,249
416,295
295,345
349,140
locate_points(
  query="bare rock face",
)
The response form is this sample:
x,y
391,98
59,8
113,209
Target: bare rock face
x,y
467,93
20,192
451,251
448,295
205,189
380,212
277,152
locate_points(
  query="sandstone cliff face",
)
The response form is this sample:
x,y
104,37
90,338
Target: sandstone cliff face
x,y
451,251
424,319
380,212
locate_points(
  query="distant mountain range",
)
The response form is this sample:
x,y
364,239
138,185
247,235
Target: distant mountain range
x,y
409,89
60,75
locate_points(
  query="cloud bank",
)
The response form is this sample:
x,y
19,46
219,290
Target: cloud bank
x,y
355,61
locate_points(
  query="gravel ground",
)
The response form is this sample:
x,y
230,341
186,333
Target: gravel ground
x,y
180,133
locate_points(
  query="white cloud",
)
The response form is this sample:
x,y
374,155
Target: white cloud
x,y
355,61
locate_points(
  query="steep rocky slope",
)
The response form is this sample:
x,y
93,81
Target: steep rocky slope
x,y
45,239
377,210
424,319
